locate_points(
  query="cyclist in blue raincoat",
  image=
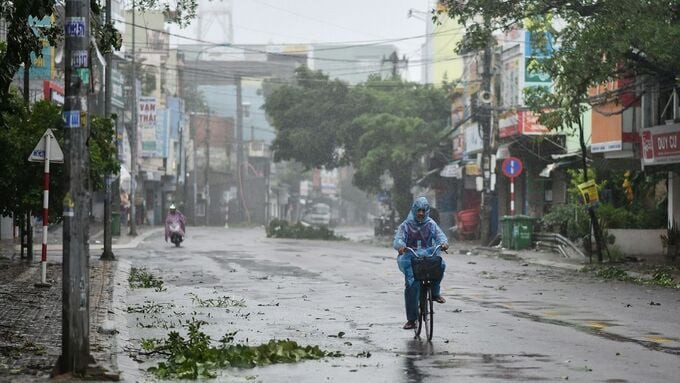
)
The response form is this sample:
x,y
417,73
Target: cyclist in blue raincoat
x,y
422,234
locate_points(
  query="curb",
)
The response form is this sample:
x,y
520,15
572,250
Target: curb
x,y
136,241
508,255
119,308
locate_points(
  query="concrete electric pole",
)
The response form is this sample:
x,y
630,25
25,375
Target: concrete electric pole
x,y
75,343
239,147
133,139
107,255
486,109
206,186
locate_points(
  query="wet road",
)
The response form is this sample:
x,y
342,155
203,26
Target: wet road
x,y
503,320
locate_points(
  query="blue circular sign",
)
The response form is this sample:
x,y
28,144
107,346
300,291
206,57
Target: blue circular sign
x,y
512,167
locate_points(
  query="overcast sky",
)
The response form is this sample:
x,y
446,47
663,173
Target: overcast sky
x,y
323,21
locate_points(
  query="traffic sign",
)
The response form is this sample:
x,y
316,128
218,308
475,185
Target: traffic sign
x,y
512,167
38,154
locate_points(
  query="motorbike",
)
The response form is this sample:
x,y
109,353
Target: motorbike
x,y
176,233
383,226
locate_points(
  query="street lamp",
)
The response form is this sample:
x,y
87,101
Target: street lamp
x,y
427,51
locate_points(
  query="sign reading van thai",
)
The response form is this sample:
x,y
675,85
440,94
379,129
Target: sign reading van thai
x,y
660,144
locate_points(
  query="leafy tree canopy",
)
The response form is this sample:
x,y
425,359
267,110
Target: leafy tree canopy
x,y
21,183
381,127
22,39
599,40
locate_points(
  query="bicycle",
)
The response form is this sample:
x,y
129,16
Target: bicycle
x,y
426,269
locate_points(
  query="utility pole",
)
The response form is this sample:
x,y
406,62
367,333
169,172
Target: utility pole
x,y
394,60
27,78
107,255
486,124
75,342
239,148
27,99
206,176
133,139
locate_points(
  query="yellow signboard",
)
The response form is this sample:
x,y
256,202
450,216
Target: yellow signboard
x,y
589,193
472,169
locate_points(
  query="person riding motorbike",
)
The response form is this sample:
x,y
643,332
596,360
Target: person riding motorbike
x,y
419,232
173,216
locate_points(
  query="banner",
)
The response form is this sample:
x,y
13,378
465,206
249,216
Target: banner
x,y
473,138
146,123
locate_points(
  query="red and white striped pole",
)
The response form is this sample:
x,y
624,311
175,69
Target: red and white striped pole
x,y
512,196
45,215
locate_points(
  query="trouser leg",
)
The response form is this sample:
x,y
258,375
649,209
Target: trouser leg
x,y
412,288
436,286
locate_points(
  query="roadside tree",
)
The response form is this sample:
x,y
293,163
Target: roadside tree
x,y
380,127
21,181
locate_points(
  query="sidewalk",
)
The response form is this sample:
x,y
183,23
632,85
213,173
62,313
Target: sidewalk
x,y
30,320
30,317
631,270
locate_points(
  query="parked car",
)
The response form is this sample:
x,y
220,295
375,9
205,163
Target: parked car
x,y
318,215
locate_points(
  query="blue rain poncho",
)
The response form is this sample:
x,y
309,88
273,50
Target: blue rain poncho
x,y
422,236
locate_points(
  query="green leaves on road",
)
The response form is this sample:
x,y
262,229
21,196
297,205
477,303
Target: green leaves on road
x,y
140,278
660,276
223,301
282,229
194,356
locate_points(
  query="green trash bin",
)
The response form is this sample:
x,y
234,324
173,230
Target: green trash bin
x,y
517,232
506,231
522,231
115,223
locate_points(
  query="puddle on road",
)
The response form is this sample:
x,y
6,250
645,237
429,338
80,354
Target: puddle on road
x,y
508,367
660,339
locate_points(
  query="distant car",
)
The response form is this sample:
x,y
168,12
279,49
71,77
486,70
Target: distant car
x,y
318,215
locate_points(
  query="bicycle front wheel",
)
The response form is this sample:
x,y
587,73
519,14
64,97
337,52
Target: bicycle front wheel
x,y
428,317
422,308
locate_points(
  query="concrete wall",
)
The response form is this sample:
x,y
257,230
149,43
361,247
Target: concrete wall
x,y
638,242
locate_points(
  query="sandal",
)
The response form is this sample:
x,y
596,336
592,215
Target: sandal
x,y
439,299
410,325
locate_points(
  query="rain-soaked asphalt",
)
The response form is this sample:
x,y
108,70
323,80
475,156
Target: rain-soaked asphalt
x,y
503,320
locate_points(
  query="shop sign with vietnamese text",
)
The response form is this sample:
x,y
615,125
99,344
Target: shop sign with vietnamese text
x,y
661,144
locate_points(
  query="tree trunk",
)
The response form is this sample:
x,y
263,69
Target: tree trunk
x,y
401,196
29,237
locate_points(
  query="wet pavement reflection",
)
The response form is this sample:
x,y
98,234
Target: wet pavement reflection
x,y
501,322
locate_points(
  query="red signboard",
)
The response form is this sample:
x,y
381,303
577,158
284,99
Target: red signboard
x,y
661,144
508,125
53,92
522,122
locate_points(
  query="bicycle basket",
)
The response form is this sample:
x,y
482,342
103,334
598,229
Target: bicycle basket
x,y
427,268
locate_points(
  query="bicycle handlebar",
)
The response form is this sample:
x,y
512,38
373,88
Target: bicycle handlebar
x,y
438,247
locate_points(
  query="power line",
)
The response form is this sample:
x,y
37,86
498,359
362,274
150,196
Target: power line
x,y
288,54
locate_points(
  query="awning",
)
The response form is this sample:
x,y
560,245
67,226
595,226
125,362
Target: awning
x,y
564,161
